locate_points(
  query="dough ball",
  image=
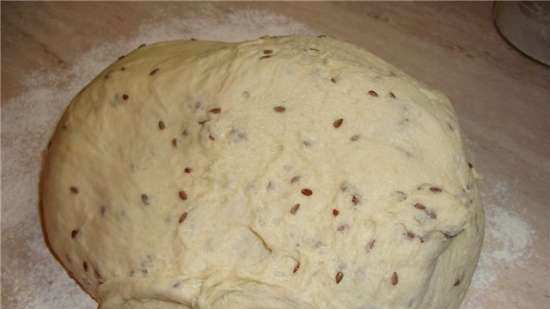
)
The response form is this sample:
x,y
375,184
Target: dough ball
x,y
284,172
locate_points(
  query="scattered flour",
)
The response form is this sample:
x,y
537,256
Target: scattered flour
x,y
507,243
34,280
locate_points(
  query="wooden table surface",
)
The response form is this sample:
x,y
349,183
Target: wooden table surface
x,y
501,97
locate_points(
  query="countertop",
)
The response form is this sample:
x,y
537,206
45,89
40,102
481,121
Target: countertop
x,y
502,98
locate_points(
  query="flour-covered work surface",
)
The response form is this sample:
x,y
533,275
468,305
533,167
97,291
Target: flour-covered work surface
x,y
513,264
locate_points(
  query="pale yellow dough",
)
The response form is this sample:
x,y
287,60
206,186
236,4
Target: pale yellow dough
x,y
388,217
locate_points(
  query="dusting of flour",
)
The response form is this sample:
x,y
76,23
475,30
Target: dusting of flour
x,y
32,279
507,243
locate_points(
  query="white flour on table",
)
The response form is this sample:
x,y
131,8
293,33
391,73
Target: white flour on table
x,y
35,280
508,241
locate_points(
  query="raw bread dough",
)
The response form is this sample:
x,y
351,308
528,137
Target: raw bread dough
x,y
284,172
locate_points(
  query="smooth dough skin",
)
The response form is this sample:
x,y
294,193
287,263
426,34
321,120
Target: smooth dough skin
x,y
281,173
